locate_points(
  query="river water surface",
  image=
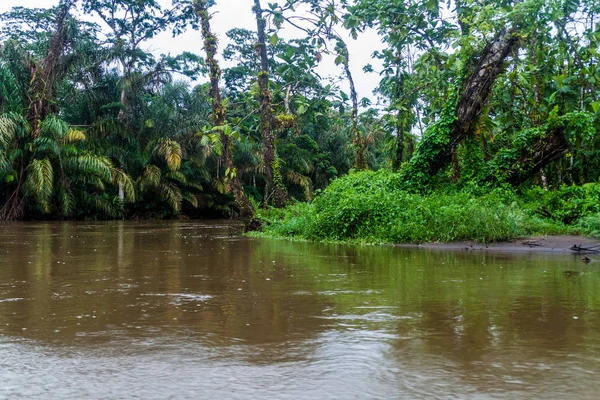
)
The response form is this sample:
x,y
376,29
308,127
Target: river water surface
x,y
191,310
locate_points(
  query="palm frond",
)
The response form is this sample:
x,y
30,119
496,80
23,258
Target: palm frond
x,y
171,194
46,145
10,88
92,164
176,176
5,164
74,135
54,126
66,201
191,198
220,186
9,124
303,181
124,181
211,144
150,178
91,180
170,152
101,204
40,182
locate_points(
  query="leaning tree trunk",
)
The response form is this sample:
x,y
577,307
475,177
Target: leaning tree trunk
x,y
275,186
476,91
234,185
439,144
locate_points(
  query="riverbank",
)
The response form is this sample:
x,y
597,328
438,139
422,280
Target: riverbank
x,y
370,208
534,244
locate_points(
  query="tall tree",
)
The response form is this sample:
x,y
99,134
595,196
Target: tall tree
x,y
130,24
219,114
320,26
463,109
46,74
275,187
360,144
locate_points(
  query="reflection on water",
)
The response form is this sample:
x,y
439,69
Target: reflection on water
x,y
190,310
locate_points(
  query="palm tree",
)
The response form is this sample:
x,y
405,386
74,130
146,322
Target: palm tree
x,y
53,173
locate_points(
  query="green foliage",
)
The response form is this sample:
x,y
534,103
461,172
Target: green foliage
x,y
433,146
368,207
40,182
565,205
10,92
590,225
119,136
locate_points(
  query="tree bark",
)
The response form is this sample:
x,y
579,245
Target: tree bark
x,y
476,91
234,185
275,186
479,85
400,120
360,145
42,89
42,93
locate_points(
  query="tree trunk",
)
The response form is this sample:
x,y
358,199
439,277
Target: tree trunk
x,y
401,120
360,145
275,186
479,85
124,103
44,76
234,185
435,153
42,93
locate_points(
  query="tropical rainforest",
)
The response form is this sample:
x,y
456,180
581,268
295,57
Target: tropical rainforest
x,y
484,125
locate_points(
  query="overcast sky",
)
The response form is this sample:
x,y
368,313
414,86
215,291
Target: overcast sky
x,y
229,14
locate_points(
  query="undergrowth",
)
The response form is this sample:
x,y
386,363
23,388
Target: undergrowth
x,y
370,207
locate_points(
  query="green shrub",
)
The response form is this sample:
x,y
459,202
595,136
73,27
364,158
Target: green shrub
x,y
565,205
590,225
370,207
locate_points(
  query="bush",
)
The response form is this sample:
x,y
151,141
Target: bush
x,y
590,225
369,207
565,205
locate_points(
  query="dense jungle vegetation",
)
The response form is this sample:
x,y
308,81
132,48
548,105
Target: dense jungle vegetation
x,y
485,124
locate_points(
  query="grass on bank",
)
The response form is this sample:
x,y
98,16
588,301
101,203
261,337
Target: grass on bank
x,y
368,207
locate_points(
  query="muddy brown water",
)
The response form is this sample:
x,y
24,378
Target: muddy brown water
x,y
190,310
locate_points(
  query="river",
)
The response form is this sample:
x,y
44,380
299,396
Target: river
x,y
190,310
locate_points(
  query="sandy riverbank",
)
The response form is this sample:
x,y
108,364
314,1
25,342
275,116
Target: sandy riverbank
x,y
551,244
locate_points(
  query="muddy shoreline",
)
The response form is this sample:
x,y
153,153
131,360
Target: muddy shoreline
x,y
534,244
